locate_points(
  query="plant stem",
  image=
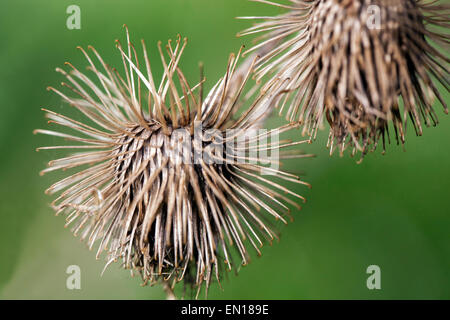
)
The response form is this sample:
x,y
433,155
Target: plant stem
x,y
169,292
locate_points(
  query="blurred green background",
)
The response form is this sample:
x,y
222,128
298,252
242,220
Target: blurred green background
x,y
391,211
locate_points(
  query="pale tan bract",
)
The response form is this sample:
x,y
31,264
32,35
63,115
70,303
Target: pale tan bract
x,y
363,77
166,219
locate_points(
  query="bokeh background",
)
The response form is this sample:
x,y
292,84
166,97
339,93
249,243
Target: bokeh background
x,y
391,211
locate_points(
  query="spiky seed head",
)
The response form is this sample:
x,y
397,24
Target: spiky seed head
x,y
361,64
159,179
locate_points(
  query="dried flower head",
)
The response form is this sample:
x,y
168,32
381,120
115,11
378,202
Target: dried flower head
x,y
160,180
362,64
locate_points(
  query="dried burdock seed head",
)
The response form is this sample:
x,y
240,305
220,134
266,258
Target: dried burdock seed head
x,y
361,64
163,179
